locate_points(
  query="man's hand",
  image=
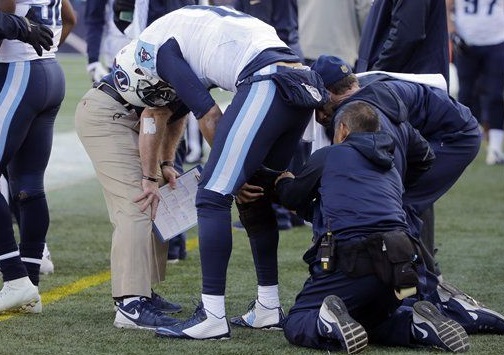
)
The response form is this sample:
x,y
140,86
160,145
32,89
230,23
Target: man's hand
x,y
38,35
170,175
149,197
285,174
249,193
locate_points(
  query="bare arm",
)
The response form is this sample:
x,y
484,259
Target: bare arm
x,y
171,140
8,6
450,8
152,128
69,20
208,123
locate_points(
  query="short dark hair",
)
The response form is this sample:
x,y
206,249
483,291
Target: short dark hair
x,y
343,85
358,116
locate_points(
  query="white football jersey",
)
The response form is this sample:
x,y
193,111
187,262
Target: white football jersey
x,y
480,22
50,14
217,42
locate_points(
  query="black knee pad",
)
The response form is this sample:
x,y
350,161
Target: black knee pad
x,y
24,197
257,216
265,178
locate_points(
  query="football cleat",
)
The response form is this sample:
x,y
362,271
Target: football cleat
x,y
494,157
46,265
202,325
141,314
430,327
334,322
260,317
20,295
472,315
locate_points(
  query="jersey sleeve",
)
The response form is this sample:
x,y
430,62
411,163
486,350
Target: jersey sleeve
x,y
174,69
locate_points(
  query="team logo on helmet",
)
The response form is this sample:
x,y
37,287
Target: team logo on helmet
x,y
121,78
144,55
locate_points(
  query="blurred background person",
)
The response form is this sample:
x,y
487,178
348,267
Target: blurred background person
x,y
477,33
103,38
328,27
332,28
405,37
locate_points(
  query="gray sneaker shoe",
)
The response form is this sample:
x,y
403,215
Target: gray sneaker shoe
x,y
141,314
334,322
430,327
471,314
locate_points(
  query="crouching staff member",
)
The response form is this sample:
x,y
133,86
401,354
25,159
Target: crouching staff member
x,y
128,124
363,262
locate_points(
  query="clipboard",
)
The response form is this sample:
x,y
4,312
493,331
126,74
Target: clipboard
x,y
176,212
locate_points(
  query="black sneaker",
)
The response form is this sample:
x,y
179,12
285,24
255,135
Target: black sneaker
x,y
430,327
334,322
141,314
164,305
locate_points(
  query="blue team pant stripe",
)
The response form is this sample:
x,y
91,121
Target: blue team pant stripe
x,y
241,135
12,92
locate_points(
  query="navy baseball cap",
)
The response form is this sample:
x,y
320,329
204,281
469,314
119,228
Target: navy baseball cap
x,y
331,69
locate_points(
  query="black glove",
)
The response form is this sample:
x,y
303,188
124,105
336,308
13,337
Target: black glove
x,y
459,45
38,35
123,13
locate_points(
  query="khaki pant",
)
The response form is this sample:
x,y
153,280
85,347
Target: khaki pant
x,y
109,134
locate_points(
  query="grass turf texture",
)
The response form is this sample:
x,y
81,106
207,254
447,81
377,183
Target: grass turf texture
x,y
78,312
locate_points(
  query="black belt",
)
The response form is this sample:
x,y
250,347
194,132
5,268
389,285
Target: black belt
x,y
110,91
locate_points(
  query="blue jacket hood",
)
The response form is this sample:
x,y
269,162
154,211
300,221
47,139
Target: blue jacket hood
x,y
377,147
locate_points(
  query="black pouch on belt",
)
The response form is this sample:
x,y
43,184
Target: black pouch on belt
x,y
393,256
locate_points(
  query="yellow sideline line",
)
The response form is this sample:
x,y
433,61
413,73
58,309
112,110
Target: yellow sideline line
x,y
80,285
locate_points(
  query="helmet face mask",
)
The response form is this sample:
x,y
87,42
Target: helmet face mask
x,y
134,86
155,95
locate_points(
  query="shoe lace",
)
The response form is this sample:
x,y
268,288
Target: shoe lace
x,y
148,307
200,309
251,305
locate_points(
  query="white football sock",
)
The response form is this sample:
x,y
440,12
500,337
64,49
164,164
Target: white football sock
x,y
495,139
214,304
268,296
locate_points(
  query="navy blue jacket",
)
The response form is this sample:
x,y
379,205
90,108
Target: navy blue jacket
x,y
281,14
360,189
405,36
432,111
157,8
413,154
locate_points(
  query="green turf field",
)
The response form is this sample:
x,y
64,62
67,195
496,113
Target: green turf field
x,y
78,310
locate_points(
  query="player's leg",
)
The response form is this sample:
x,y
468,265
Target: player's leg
x,y
492,100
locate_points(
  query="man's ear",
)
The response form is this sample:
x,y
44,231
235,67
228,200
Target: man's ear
x,y
341,133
